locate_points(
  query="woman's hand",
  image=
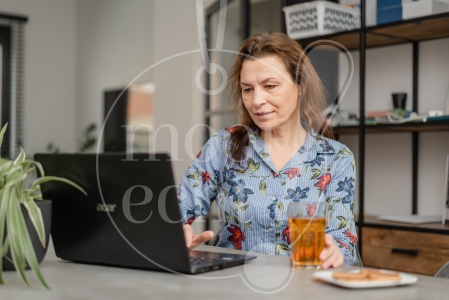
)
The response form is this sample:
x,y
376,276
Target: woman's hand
x,y
331,255
193,240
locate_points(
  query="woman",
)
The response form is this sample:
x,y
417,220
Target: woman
x,y
275,156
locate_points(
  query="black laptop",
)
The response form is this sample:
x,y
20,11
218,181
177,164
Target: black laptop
x,y
130,217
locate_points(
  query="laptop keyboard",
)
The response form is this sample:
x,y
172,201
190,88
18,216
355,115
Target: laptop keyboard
x,y
204,260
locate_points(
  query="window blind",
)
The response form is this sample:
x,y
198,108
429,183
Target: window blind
x,y
12,42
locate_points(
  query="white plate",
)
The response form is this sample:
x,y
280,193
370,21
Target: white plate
x,y
327,276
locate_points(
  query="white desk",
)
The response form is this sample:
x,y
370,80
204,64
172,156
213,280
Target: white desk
x,y
77,281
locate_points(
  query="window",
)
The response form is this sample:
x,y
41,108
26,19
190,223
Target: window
x,y
11,83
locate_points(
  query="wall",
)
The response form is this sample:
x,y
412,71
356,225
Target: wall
x,y
115,44
178,101
50,72
117,40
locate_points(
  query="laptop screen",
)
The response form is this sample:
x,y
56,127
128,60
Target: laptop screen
x,y
130,216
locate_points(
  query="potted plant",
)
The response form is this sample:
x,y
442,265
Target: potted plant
x,y
18,206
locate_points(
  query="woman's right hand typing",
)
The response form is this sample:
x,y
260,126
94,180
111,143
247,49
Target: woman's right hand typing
x,y
193,240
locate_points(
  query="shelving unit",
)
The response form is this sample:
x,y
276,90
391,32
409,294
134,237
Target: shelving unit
x,y
378,232
405,127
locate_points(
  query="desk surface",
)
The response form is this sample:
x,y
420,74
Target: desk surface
x,y
265,277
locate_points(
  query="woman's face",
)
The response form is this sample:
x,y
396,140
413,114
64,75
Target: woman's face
x,y
269,94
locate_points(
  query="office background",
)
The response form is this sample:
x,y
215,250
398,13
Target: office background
x,y
77,49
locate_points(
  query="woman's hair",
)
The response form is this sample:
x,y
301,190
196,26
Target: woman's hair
x,y
312,94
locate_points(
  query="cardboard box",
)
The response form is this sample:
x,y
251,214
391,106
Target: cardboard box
x,y
387,3
414,9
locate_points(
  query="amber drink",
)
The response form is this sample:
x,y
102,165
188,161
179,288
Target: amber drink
x,y
307,224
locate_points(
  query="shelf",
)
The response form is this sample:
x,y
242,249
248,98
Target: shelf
x,y
372,221
412,30
419,29
406,127
350,40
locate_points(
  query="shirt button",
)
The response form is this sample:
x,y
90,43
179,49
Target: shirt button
x,y
270,229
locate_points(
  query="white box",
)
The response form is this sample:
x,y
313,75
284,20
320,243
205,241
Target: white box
x,y
414,9
371,10
318,18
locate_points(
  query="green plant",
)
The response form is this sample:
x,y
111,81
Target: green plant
x,y
88,140
14,236
52,148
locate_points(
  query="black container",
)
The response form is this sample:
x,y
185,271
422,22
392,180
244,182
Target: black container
x,y
45,206
399,100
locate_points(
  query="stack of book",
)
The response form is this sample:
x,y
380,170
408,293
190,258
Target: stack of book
x,y
377,117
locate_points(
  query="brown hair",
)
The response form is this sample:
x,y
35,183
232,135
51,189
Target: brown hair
x,y
312,99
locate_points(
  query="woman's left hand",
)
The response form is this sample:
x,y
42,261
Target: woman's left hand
x,y
331,255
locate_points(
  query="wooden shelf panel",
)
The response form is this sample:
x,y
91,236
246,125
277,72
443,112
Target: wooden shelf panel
x,y
351,40
406,127
419,29
372,221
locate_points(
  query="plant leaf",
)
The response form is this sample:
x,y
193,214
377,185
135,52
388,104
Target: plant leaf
x,y
39,167
15,178
2,133
5,247
16,237
236,220
35,214
4,200
44,179
5,165
278,234
196,184
21,157
27,246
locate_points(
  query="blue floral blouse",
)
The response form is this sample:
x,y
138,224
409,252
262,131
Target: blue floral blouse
x,y
252,196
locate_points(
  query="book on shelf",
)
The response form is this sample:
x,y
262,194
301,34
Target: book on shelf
x,y
377,114
439,118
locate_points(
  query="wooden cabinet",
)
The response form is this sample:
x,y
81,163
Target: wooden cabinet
x,y
403,250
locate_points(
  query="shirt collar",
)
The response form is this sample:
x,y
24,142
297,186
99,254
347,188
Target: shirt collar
x,y
313,145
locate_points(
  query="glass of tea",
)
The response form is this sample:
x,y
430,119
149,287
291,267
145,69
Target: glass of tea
x,y
307,224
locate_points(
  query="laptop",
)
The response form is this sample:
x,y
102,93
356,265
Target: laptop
x,y
130,217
